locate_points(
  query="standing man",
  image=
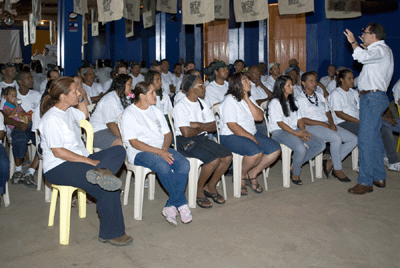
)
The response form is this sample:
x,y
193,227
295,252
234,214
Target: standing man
x,y
374,80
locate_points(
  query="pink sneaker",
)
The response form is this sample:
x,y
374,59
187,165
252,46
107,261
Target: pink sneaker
x,y
186,215
170,214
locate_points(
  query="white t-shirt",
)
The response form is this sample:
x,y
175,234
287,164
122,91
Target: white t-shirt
x,y
177,81
103,74
312,111
396,92
347,102
29,101
107,85
36,119
187,111
270,83
164,104
106,111
37,80
42,86
326,79
238,112
166,80
148,126
215,93
93,91
264,79
45,60
59,129
4,85
258,93
136,80
331,86
179,96
275,115
297,90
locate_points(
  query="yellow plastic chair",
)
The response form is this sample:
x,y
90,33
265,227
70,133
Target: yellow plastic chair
x,y
66,194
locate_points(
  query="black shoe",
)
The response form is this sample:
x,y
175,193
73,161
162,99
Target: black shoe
x,y
340,179
297,182
326,172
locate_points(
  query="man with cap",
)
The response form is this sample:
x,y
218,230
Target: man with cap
x,y
135,73
274,72
259,92
216,90
94,90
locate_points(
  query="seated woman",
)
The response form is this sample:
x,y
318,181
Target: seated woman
x,y
238,112
193,119
316,114
67,162
104,117
287,127
163,101
148,138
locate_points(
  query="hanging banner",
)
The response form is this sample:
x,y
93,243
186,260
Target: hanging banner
x,y
53,33
26,32
32,29
37,10
132,10
342,9
221,9
250,10
110,10
197,11
128,28
149,13
80,7
167,6
95,23
84,30
295,6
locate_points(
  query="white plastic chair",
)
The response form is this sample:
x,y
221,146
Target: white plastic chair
x,y
47,189
140,176
6,195
194,172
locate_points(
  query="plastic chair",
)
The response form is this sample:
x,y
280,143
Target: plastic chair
x,y
66,195
140,176
47,189
6,195
90,108
194,171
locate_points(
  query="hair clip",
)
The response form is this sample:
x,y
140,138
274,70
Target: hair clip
x,y
131,95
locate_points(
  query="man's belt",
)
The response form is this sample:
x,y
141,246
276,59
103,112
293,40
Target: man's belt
x,y
369,91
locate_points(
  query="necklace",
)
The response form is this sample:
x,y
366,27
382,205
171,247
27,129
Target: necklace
x,y
311,97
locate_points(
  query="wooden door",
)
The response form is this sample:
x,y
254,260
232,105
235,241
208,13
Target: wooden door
x,y
287,38
216,41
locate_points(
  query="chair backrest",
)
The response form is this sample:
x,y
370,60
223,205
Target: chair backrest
x,y
89,134
90,108
171,122
215,111
37,138
264,105
120,129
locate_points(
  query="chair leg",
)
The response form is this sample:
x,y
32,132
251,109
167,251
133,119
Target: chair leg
x,y
47,192
6,197
65,214
192,182
265,176
127,186
286,152
311,170
82,203
354,158
152,182
40,175
224,187
318,165
53,206
237,174
139,190
12,162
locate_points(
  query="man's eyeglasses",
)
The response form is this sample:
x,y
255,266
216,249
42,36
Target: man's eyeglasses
x,y
364,32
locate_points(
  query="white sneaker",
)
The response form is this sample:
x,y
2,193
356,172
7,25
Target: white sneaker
x,y
394,167
386,161
186,215
170,215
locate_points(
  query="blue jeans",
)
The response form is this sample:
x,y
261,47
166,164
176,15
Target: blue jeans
x,y
301,154
108,203
370,142
173,177
4,169
20,139
342,142
245,146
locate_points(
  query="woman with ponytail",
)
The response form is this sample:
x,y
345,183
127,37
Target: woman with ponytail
x,y
67,162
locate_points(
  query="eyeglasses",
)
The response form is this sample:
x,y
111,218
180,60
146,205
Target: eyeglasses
x,y
364,32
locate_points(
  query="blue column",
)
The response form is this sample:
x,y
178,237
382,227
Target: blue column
x,y
261,40
158,37
69,41
198,48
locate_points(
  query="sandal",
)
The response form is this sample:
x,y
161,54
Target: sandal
x,y
200,201
215,197
258,189
297,182
243,189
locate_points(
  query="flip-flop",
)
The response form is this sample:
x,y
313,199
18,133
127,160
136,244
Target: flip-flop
x,y
214,196
200,201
